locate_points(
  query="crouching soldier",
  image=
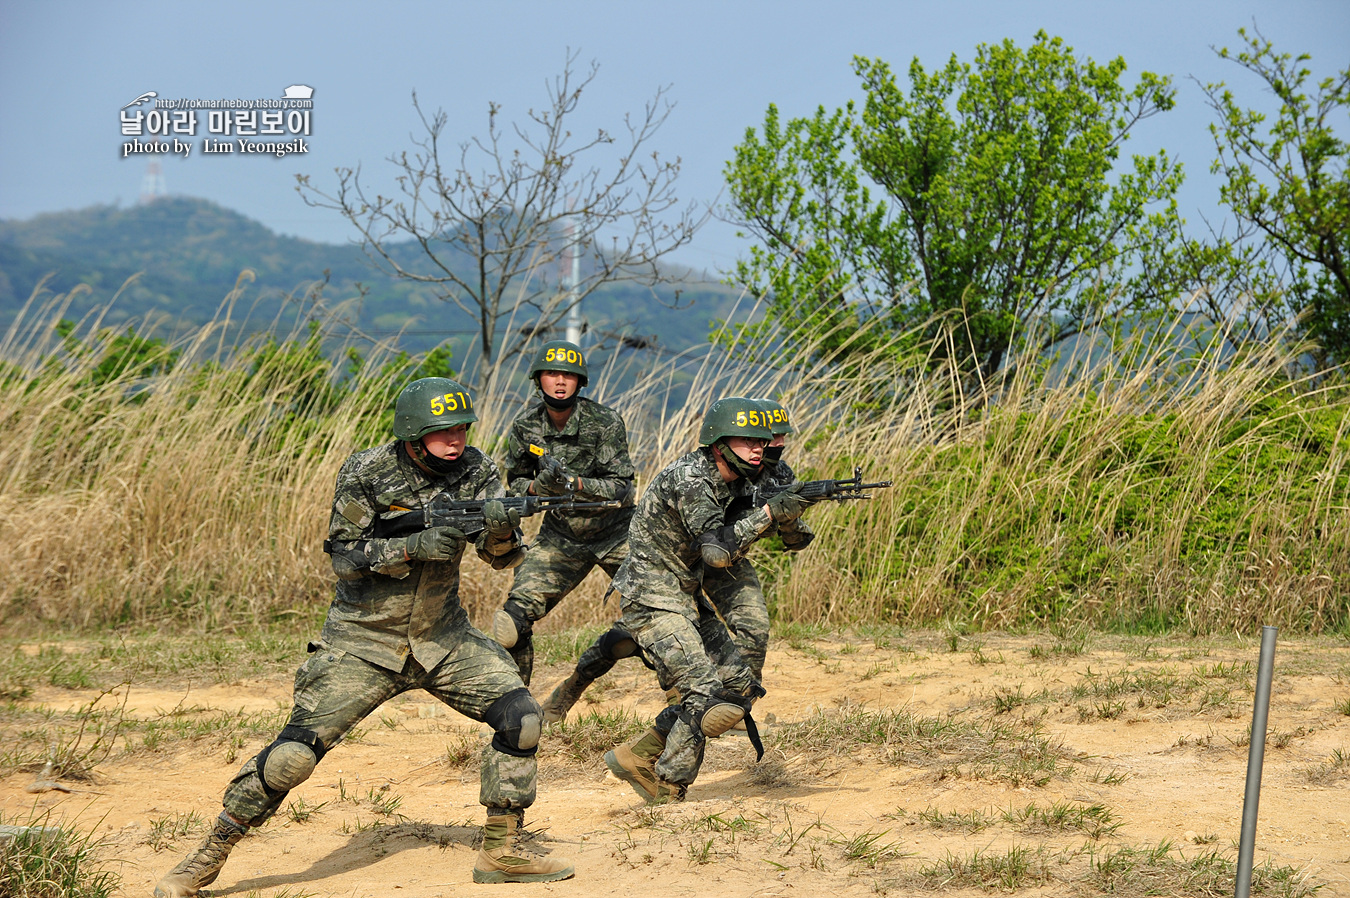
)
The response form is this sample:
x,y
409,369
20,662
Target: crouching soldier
x,y
564,444
735,590
680,530
396,624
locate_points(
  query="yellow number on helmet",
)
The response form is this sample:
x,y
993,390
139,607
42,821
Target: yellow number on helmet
x,y
450,403
740,419
437,407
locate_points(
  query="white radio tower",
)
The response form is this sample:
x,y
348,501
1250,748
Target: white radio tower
x,y
574,276
152,185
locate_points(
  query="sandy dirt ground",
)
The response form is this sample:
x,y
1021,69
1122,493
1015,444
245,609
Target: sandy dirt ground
x,y
1151,734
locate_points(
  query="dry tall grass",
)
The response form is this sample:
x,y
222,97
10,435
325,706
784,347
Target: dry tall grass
x,y
1139,485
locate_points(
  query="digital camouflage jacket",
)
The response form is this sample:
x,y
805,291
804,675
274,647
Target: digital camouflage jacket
x,y
594,447
664,568
387,607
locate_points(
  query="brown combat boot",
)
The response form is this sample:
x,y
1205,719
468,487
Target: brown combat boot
x,y
636,766
561,699
501,859
202,866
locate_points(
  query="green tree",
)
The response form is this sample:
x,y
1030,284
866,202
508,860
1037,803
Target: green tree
x,y
981,208
1288,186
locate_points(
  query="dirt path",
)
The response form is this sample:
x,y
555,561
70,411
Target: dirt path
x,y
1117,745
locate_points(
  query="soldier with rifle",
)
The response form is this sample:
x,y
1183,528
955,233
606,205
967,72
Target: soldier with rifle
x,y
402,516
735,590
679,531
564,445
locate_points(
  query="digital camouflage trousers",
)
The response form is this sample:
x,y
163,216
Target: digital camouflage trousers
x,y
335,690
699,660
739,598
553,567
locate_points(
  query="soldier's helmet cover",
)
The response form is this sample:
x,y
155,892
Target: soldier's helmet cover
x,y
735,416
560,355
431,404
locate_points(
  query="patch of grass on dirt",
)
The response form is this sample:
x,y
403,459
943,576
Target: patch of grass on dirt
x,y
50,861
993,751
300,811
587,736
1334,769
166,831
463,752
1162,869
1094,821
1017,868
62,745
971,821
871,848
565,647
104,661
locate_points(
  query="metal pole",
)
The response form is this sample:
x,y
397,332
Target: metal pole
x,y
1255,757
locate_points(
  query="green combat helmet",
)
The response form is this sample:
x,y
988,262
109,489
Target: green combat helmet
x,y
778,417
734,416
431,404
560,355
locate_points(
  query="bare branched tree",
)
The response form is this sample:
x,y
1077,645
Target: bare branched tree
x,y
486,225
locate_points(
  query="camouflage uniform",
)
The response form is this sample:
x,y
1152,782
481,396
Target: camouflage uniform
x,y
397,625
660,583
736,592
594,447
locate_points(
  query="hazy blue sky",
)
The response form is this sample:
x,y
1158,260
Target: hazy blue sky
x,y
67,68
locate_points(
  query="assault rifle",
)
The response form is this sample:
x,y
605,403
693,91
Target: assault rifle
x,y
466,515
817,490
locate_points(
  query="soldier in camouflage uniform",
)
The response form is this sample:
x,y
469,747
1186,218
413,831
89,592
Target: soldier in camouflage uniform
x,y
396,624
564,444
679,531
735,591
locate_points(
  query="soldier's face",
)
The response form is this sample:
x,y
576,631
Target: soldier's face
x,y
558,384
447,444
747,449
779,440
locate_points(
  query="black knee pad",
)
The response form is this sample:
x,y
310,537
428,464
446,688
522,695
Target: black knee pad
x,y
289,760
617,643
517,720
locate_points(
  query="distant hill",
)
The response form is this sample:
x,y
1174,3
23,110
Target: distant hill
x,y
188,254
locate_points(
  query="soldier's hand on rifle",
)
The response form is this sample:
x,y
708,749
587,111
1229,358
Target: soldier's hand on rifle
x,y
500,520
434,544
552,479
788,505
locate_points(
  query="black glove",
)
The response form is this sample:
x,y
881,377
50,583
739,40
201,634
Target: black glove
x,y
434,544
789,504
500,520
552,478
794,538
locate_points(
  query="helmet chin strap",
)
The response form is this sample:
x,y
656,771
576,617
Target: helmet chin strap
x,y
737,464
559,404
417,451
